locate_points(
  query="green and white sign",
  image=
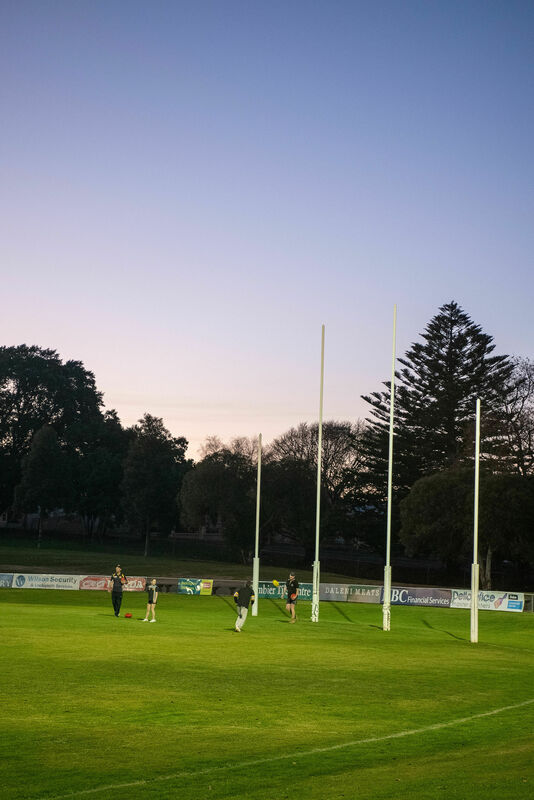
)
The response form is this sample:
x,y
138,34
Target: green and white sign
x,y
268,589
195,585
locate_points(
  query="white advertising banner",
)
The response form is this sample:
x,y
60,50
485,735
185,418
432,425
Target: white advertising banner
x,y
100,583
94,582
35,581
25,580
135,584
488,600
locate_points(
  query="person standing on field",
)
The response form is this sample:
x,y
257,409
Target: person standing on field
x,y
292,589
243,597
115,585
152,590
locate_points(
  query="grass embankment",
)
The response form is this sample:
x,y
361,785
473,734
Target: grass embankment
x,y
77,561
188,708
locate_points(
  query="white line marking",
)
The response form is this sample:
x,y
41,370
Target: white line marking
x,y
285,757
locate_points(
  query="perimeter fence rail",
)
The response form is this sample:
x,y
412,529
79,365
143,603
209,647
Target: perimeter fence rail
x,y
329,592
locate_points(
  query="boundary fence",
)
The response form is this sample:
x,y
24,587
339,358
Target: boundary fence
x,y
329,592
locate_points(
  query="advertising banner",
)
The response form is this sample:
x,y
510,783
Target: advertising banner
x,y
337,592
410,596
34,581
350,592
94,582
305,591
195,585
135,584
364,594
100,583
333,591
267,589
488,600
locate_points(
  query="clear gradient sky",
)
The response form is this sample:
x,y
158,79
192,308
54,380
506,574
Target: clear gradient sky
x,y
190,189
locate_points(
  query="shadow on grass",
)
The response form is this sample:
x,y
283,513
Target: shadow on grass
x,y
229,603
277,606
342,612
440,630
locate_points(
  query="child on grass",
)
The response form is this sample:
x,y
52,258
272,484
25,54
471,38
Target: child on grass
x,y
152,590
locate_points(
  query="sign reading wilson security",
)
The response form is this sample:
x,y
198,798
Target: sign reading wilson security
x,y
34,581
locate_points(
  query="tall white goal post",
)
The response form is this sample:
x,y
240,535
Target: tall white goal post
x,y
386,607
316,564
475,569
256,561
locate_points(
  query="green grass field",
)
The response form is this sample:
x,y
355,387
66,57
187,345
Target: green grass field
x,y
102,707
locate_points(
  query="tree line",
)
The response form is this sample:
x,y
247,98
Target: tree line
x,y
59,448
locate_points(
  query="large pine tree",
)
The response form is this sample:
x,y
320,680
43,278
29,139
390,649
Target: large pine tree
x,y
435,397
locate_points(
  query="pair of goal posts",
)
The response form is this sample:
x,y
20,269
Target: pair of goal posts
x,y
386,607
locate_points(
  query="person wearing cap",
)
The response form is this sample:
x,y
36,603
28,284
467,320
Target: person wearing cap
x,y
242,598
152,590
115,585
292,589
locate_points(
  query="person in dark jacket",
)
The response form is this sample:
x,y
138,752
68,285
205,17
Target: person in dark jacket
x,y
292,590
243,597
115,585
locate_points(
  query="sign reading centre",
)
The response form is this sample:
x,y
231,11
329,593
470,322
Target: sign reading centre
x,y
267,589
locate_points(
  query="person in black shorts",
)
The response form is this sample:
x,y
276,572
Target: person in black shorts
x,y
243,597
152,590
115,585
292,589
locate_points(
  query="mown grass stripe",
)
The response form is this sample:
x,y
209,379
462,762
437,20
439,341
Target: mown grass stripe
x,y
301,754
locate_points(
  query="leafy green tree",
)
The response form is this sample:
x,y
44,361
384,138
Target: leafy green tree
x,y
342,466
341,457
438,514
99,477
44,484
289,496
221,491
506,520
36,389
97,473
153,470
519,411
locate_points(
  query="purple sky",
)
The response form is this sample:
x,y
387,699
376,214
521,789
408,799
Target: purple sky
x,y
190,189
